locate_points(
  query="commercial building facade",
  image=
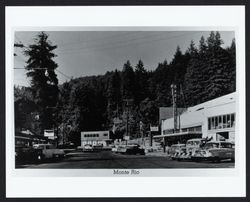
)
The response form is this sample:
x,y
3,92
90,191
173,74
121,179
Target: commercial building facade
x,y
213,119
95,138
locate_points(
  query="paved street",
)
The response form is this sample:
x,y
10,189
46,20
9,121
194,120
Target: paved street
x,y
107,159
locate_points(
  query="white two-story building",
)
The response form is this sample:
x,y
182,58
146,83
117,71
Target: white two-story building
x,y
213,119
95,138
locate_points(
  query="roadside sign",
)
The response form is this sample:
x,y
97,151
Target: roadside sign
x,y
49,133
154,128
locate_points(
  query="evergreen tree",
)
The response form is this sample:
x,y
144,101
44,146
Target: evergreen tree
x,y
178,66
160,84
217,79
141,84
24,109
194,77
128,81
44,83
114,95
232,68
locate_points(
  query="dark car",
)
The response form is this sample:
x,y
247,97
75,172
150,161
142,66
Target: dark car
x,y
27,155
134,149
215,151
67,148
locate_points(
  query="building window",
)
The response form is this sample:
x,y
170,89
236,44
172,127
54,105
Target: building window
x,y
209,123
192,129
232,120
213,123
228,121
184,130
198,128
216,122
220,122
223,121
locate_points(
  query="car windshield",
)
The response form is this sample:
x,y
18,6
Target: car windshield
x,y
193,143
50,147
226,145
38,146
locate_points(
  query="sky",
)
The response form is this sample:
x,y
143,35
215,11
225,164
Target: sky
x,y
86,53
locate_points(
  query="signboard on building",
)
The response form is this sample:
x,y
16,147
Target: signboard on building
x,y
49,133
154,128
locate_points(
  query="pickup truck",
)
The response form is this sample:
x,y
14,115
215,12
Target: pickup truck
x,y
48,151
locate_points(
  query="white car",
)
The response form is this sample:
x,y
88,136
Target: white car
x,y
48,151
88,148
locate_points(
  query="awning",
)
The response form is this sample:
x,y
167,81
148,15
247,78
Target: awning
x,y
21,137
178,134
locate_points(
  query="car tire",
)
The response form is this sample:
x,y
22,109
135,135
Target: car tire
x,y
197,160
216,160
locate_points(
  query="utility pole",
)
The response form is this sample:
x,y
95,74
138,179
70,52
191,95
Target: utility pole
x,y
127,104
141,131
174,98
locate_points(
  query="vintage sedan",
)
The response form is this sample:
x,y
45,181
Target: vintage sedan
x,y
191,146
88,148
48,151
134,149
215,151
176,150
27,154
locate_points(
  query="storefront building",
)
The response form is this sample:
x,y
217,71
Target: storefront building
x,y
95,138
214,119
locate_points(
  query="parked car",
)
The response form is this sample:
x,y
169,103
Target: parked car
x,y
134,149
191,146
88,148
121,149
67,147
48,151
98,147
26,154
215,151
176,150
114,148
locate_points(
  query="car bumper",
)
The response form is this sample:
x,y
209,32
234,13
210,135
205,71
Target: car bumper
x,y
203,158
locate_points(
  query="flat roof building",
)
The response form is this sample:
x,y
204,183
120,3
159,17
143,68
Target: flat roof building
x,y
95,138
213,119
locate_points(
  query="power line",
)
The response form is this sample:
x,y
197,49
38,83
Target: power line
x,y
45,69
63,74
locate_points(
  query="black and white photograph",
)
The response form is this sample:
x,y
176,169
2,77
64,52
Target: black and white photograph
x,y
149,103
124,99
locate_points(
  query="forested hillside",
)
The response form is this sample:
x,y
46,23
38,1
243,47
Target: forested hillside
x,y
202,72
